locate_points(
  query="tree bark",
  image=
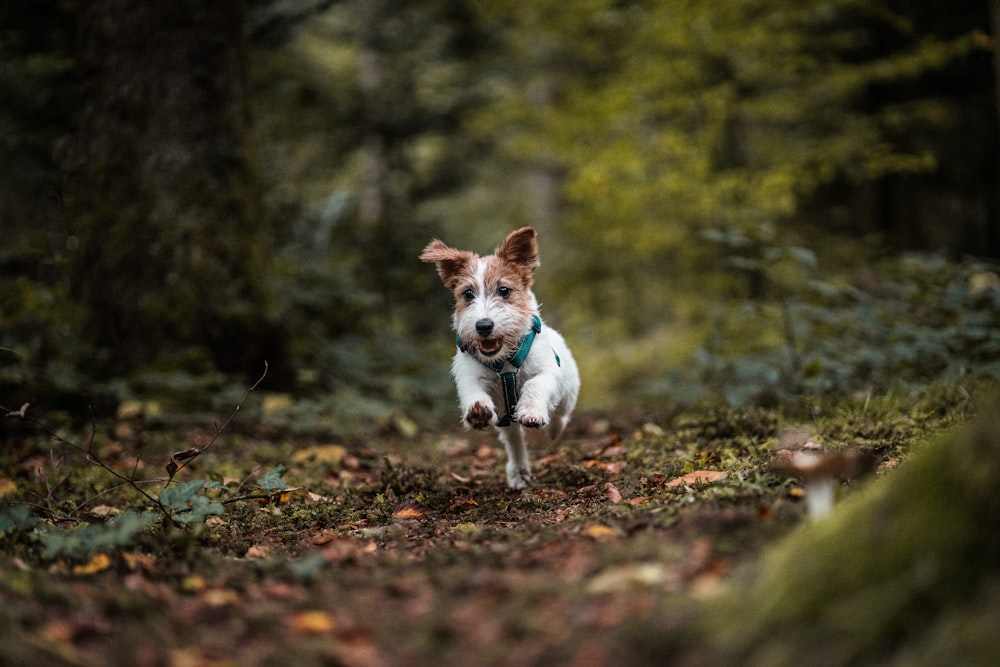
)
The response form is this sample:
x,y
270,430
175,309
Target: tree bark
x,y
995,28
162,198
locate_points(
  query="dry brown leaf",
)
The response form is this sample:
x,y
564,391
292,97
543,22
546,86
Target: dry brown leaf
x,y
97,564
324,454
193,583
631,577
615,467
698,477
599,532
220,597
258,551
612,493
313,622
103,511
277,497
411,509
138,561
543,461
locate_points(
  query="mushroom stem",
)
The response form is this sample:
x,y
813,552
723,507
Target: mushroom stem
x,y
819,497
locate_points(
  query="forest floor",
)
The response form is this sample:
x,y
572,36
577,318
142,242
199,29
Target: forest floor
x,y
412,551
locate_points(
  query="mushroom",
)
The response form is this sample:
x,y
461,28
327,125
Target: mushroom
x,y
819,470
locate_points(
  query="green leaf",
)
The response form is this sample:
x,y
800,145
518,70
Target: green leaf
x,y
272,481
16,519
84,541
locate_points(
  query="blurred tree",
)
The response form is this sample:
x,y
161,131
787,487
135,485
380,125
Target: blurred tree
x,y
738,123
169,242
378,92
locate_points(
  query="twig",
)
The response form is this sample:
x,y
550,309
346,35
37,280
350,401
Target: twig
x,y
180,460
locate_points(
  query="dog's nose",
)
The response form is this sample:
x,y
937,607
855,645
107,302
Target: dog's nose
x,y
484,326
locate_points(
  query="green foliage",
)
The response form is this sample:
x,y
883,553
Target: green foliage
x,y
271,481
920,321
186,502
690,167
83,542
15,519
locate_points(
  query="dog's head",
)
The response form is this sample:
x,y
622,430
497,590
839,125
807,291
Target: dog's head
x,y
493,298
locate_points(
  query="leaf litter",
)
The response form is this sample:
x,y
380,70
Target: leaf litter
x,y
415,551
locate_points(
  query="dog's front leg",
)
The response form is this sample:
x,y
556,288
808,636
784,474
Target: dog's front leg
x,y
536,402
478,410
518,463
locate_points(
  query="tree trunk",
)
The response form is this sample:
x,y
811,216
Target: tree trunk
x,y
374,169
995,28
162,199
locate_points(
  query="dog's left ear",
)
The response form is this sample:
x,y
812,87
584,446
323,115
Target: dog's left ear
x,y
520,248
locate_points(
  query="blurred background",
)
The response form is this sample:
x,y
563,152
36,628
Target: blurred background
x,y
752,201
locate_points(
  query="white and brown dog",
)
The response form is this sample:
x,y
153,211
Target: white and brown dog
x,y
511,372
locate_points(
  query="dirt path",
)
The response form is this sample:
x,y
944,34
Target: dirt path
x,y
393,552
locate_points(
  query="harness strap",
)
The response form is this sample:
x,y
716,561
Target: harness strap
x,y
508,380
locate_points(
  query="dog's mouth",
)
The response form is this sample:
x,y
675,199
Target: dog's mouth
x,y
488,347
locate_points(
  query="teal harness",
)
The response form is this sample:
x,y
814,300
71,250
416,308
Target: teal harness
x,y
508,380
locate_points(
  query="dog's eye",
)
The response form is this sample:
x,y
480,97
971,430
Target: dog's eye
x,y
468,294
503,291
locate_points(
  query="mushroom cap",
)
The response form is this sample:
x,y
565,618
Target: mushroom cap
x,y
809,464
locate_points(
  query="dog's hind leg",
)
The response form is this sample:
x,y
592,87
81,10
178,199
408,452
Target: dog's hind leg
x,y
518,464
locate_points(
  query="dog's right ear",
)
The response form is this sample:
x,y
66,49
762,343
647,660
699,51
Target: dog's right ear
x,y
450,261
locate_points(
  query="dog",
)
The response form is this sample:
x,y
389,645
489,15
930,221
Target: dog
x,y
511,371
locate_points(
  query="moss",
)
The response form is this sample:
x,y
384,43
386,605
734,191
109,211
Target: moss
x,y
893,567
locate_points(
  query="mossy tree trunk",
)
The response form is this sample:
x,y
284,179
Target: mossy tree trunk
x,y
168,243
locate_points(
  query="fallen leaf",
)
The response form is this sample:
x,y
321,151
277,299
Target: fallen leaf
x,y
277,497
324,454
635,502
96,510
615,467
543,461
612,493
98,563
313,622
548,495
698,477
258,551
626,578
411,509
220,597
177,459
274,403
405,426
599,532
193,583
137,561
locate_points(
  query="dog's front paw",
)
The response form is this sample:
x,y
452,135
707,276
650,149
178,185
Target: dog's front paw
x,y
531,416
479,416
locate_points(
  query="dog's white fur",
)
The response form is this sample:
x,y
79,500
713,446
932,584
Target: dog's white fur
x,y
497,289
